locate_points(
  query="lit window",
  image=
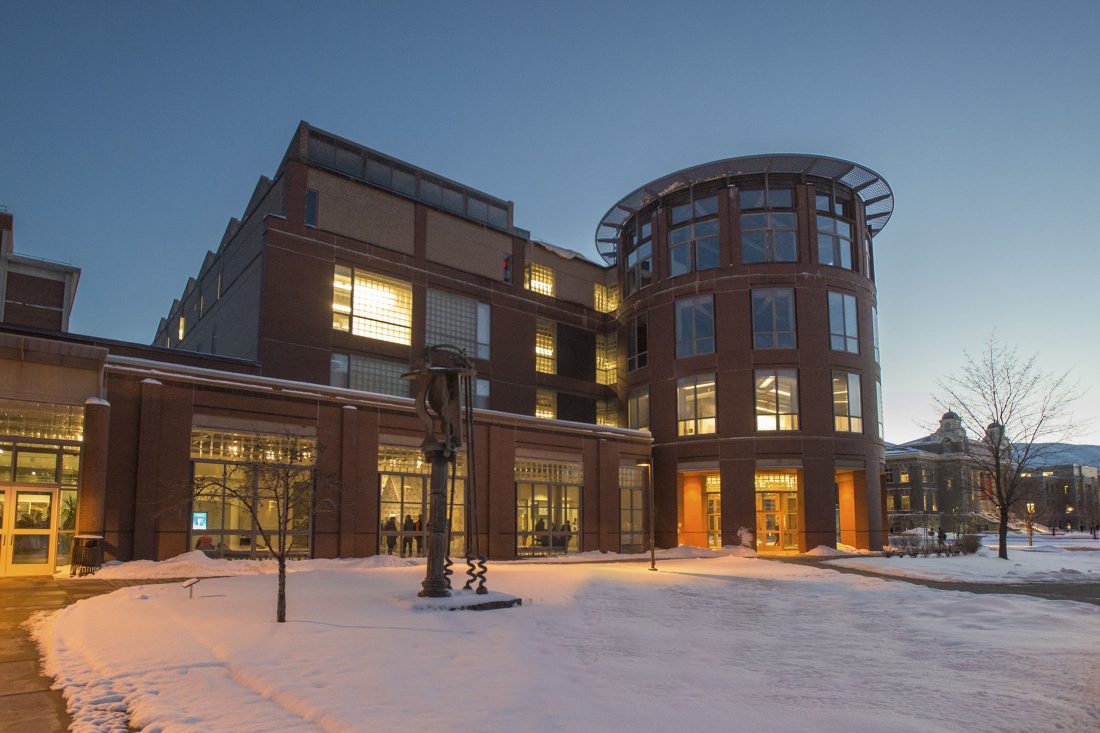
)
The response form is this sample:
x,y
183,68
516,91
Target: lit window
x,y
847,404
637,408
843,331
545,346
372,305
773,318
694,246
776,399
607,413
546,404
539,279
638,245
637,343
182,328
459,321
605,297
695,405
903,477
548,515
311,208
890,502
905,501
695,326
607,358
834,243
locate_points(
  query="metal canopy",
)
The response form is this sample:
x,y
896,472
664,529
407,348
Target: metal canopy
x,y
872,189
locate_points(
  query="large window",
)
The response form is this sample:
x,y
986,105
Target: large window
x,y
539,279
874,330
695,326
847,403
637,408
605,298
773,318
696,405
403,496
772,198
242,484
311,208
637,343
459,321
834,243
768,238
372,305
607,358
546,346
693,236
548,507
369,374
638,242
631,509
776,399
878,411
843,329
607,412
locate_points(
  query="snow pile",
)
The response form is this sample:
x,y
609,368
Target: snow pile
x,y
824,551
722,644
1035,565
196,564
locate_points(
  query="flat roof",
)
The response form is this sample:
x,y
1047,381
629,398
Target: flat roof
x,y
873,190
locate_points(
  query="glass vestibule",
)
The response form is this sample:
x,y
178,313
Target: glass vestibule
x,y
778,510
548,507
403,496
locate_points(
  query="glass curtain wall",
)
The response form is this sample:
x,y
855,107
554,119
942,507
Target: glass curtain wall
x,y
548,507
403,495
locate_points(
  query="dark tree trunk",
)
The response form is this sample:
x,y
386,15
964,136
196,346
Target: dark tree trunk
x,y
280,606
1003,533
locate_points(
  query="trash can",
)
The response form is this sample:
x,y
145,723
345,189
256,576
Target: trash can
x,y
87,554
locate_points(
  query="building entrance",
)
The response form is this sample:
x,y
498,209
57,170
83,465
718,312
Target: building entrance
x,y
778,512
28,530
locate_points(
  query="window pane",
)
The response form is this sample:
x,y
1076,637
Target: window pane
x,y
681,260
338,371
680,213
786,247
36,466
707,206
779,198
825,249
752,247
706,253
679,235
752,199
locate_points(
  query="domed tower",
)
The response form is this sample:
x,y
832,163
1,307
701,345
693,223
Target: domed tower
x,y
749,324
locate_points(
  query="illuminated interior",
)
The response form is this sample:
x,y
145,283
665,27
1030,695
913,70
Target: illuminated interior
x,y
778,510
545,347
699,495
371,305
539,279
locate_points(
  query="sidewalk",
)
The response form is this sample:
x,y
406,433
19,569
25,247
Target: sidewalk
x,y
26,701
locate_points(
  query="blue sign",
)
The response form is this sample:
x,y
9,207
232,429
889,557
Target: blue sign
x,y
198,521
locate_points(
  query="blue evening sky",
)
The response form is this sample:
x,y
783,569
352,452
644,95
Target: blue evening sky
x,y
131,132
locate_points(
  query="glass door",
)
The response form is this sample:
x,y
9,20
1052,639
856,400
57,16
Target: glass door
x,y
777,521
29,530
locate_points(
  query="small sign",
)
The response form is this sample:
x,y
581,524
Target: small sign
x,y
198,521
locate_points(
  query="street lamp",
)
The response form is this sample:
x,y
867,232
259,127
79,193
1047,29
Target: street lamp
x,y
1030,515
652,539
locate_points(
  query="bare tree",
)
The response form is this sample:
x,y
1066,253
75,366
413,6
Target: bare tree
x,y
276,484
1013,412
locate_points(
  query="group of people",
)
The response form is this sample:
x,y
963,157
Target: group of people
x,y
411,533
558,536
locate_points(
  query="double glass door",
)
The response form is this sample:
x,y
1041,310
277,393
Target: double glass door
x,y
777,521
28,526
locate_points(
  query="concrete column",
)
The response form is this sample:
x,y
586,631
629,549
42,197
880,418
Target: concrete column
x,y
91,509
148,471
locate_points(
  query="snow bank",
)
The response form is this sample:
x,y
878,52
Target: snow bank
x,y
196,564
1035,565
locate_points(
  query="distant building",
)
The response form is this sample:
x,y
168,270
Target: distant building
x,y
1065,496
34,293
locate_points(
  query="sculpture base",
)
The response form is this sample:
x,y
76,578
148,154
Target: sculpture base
x,y
467,600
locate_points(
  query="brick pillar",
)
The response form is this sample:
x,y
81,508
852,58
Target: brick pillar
x,y
91,509
349,478
148,471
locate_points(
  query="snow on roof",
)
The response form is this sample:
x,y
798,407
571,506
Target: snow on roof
x,y
567,254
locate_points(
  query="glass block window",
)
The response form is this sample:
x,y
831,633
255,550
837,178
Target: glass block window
x,y
776,399
539,279
371,305
632,526
607,358
545,346
383,376
459,321
696,405
44,420
695,326
637,343
553,472
843,329
847,402
769,238
546,404
637,408
834,243
605,297
773,318
607,412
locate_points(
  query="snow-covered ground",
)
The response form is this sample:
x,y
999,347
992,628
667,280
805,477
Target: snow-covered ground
x,y
726,643
1052,559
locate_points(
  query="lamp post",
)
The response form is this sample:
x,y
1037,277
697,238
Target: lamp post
x,y
1030,515
649,489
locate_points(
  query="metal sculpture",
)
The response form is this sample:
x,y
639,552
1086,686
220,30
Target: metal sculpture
x,y
444,403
